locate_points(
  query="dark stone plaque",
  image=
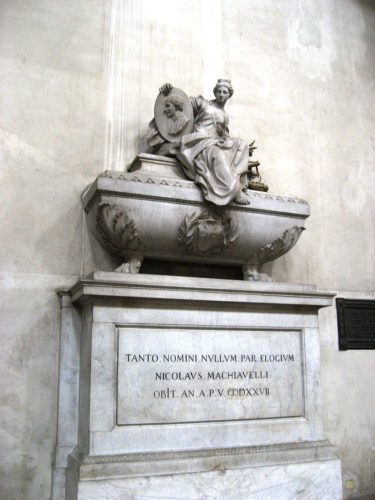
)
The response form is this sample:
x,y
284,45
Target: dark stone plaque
x,y
356,324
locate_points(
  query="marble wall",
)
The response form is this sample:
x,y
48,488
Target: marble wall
x,y
78,82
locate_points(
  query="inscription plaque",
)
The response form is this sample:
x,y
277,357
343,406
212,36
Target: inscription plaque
x,y
175,375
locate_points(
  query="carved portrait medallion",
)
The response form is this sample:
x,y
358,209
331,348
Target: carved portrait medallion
x,y
173,115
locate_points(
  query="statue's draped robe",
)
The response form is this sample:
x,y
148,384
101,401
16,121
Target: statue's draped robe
x,y
210,157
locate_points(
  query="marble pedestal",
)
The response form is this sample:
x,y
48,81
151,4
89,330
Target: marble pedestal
x,y
192,388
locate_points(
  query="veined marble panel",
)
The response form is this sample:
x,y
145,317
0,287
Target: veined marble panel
x,y
312,480
174,375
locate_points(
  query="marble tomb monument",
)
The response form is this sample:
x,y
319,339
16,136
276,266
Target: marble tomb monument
x,y
185,386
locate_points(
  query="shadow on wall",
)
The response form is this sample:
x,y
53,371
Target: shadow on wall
x,y
367,4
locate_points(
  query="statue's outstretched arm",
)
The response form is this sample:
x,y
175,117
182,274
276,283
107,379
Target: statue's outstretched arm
x,y
166,88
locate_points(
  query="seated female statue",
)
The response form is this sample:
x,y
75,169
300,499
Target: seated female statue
x,y
215,161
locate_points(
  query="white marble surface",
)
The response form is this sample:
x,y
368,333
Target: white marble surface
x,y
67,426
105,284
164,313
177,375
308,481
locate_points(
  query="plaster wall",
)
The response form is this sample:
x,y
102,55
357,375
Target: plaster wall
x,y
51,148
79,80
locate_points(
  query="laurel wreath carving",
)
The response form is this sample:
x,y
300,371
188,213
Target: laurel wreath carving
x,y
220,233
116,230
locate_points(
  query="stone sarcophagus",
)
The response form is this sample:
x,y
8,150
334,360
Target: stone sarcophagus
x,y
153,211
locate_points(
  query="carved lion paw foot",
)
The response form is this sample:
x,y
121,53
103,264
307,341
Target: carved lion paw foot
x,y
250,273
131,267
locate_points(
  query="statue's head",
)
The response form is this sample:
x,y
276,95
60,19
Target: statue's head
x,y
173,104
223,90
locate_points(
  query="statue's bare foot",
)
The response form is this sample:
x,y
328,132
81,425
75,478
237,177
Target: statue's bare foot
x,y
242,199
